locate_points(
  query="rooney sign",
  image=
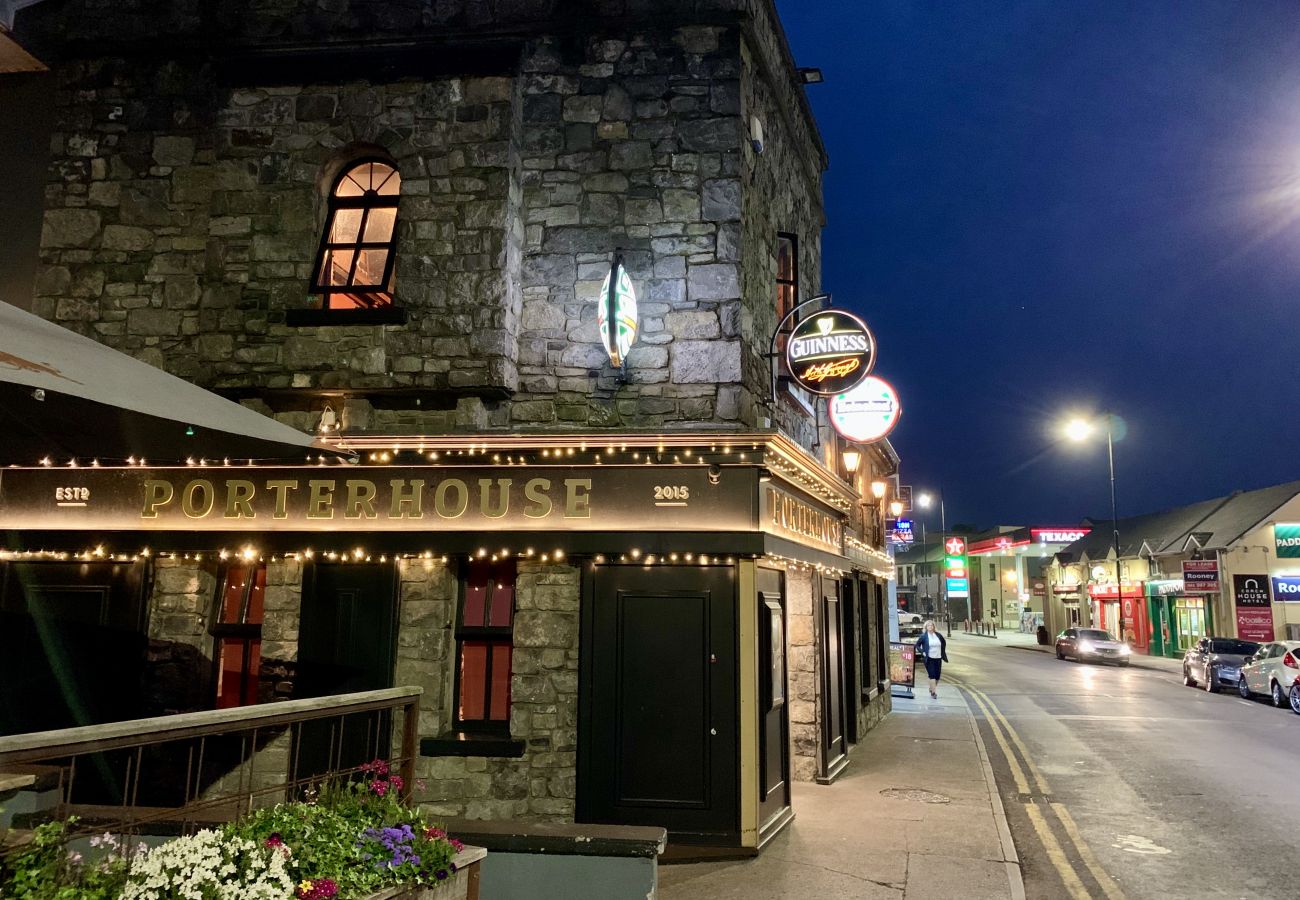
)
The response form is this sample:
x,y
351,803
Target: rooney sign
x,y
830,352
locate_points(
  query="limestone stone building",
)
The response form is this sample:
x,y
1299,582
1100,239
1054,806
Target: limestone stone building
x,y
390,222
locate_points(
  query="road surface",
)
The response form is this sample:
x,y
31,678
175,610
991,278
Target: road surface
x,y
1124,783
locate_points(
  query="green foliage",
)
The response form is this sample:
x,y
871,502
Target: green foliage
x,y
47,870
354,838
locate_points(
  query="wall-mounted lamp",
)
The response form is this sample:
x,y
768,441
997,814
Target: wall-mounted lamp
x,y
896,508
852,458
878,489
329,420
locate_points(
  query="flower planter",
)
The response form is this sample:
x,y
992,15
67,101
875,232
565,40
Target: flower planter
x,y
461,886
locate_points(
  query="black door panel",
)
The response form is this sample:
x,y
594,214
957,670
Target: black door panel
x,y
657,737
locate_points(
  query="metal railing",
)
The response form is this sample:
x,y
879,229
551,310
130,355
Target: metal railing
x,y
233,759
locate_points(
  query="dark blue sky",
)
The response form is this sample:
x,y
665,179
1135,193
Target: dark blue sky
x,y
1043,206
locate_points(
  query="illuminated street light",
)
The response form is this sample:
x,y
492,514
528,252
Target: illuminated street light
x,y
896,508
1078,429
925,500
878,489
852,458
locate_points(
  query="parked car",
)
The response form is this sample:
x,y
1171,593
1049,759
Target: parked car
x,y
1214,662
910,625
1091,643
1273,670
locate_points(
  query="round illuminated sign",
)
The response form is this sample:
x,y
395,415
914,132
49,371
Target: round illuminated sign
x,y
868,412
830,352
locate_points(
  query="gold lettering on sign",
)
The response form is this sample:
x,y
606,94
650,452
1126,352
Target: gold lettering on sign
x,y
361,500
407,505
190,503
320,499
792,516
239,499
503,496
577,498
539,504
281,488
440,504
156,493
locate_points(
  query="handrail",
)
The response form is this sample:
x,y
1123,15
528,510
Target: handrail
x,y
41,745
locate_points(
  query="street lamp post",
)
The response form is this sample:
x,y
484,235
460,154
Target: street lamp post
x,y
926,500
1079,430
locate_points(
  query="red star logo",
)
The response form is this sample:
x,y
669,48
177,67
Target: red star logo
x,y
956,546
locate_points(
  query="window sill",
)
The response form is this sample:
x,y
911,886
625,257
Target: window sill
x,y
796,396
462,743
386,315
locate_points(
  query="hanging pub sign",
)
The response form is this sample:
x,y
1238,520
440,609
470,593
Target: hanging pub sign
x,y
830,352
868,412
616,313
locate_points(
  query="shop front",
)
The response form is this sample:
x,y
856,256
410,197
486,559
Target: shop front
x,y
1120,609
1178,619
662,630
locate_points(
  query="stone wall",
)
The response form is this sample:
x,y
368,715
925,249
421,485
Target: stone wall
x,y
544,694
803,664
184,209
178,671
782,194
183,219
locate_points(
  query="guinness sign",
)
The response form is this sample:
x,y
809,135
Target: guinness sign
x,y
830,352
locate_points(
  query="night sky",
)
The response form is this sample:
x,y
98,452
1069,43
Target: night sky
x,y
1043,207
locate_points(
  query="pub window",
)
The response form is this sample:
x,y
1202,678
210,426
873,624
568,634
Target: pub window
x,y
993,572
484,646
787,280
237,628
354,268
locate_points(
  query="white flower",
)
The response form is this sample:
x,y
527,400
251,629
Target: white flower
x,y
207,862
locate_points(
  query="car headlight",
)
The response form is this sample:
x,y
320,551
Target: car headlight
x,y
1125,650
1086,647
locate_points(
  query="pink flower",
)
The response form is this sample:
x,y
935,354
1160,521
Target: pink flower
x,y
457,845
379,787
396,782
275,840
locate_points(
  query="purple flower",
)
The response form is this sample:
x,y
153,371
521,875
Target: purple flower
x,y
441,874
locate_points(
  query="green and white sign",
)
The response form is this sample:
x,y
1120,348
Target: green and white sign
x,y
1286,540
616,318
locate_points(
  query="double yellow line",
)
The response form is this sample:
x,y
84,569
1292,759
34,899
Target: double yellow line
x,y
1007,738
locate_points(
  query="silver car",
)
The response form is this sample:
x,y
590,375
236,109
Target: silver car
x,y
1092,643
1272,670
1214,662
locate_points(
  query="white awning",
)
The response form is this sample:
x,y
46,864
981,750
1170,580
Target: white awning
x,y
64,395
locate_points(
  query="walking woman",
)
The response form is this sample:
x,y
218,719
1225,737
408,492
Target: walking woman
x,y
932,648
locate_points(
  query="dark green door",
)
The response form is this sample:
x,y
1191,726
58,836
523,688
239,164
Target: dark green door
x,y
346,643
658,730
773,711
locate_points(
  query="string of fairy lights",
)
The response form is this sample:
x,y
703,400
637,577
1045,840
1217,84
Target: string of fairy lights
x,y
422,453
620,453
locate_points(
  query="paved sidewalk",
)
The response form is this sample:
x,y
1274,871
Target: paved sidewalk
x,y
865,837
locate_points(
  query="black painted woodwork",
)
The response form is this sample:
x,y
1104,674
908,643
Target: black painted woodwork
x,y
834,743
72,644
773,708
659,708
347,642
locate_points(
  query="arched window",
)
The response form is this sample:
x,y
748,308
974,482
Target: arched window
x,y
354,269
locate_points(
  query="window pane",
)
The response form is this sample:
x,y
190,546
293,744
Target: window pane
x,y
473,680
476,586
379,224
384,180
501,654
370,268
347,222
237,682
338,266
256,597
232,598
354,183
503,595
784,259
